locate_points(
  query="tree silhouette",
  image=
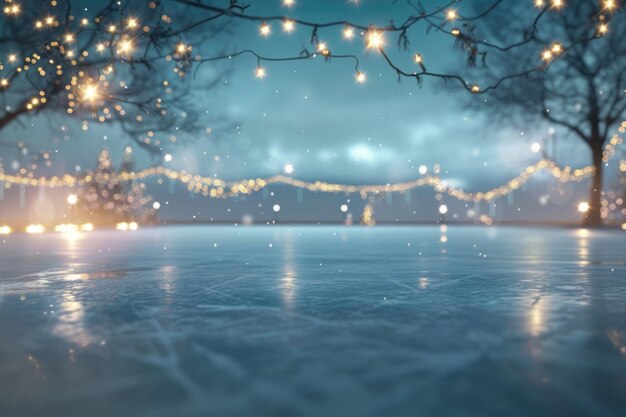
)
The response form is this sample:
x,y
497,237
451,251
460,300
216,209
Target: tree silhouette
x,y
581,90
124,63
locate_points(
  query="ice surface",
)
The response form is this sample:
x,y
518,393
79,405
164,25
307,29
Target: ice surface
x,y
314,321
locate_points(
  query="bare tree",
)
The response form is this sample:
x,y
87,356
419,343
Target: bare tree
x,y
581,89
124,63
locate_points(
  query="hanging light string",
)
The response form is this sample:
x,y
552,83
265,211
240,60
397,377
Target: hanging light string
x,y
217,188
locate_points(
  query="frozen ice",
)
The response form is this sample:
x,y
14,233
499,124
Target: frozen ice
x,y
314,321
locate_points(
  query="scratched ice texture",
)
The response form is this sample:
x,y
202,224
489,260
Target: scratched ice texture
x,y
314,321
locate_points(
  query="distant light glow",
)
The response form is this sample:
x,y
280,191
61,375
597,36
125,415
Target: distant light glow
x,y
535,147
156,205
5,230
35,229
344,208
288,169
443,209
423,169
583,207
375,39
72,199
167,157
276,208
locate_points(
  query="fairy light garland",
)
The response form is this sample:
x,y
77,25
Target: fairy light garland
x,y
217,188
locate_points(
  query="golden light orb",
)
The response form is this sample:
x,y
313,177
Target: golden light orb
x,y
35,229
348,32
260,72
418,59
451,14
361,77
289,3
4,83
90,93
289,26
5,230
72,199
265,29
375,39
583,207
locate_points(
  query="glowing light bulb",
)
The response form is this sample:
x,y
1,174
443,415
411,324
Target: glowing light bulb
x,y
451,14
132,23
289,169
5,230
418,59
557,4
375,39
344,208
181,48
583,207
443,209
12,57
90,92
455,32
125,46
156,205
557,48
348,32
289,3
609,4
100,47
35,229
276,208
4,83
69,38
603,28
423,169
260,72
167,157
546,55
535,147
289,26
72,199
265,29
361,77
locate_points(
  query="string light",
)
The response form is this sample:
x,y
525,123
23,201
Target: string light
x,y
451,14
603,28
260,72
609,4
265,29
289,3
375,39
361,77
289,26
557,4
583,207
348,32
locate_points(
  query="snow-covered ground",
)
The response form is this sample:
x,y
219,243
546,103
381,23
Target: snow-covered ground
x,y
314,321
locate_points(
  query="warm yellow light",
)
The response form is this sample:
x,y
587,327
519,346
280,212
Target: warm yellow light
x,y
603,28
90,92
49,20
289,26
133,226
112,28
4,83
38,24
100,47
66,228
455,32
265,29
451,14
289,3
360,77
122,226
35,228
375,39
557,4
125,46
583,207
13,9
5,230
546,55
260,72
557,48
87,227
348,32
181,48
418,59
609,4
623,226
84,22
69,38
12,57
132,23
475,89
539,3
72,199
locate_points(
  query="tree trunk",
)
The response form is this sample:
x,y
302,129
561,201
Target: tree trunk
x,y
593,217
